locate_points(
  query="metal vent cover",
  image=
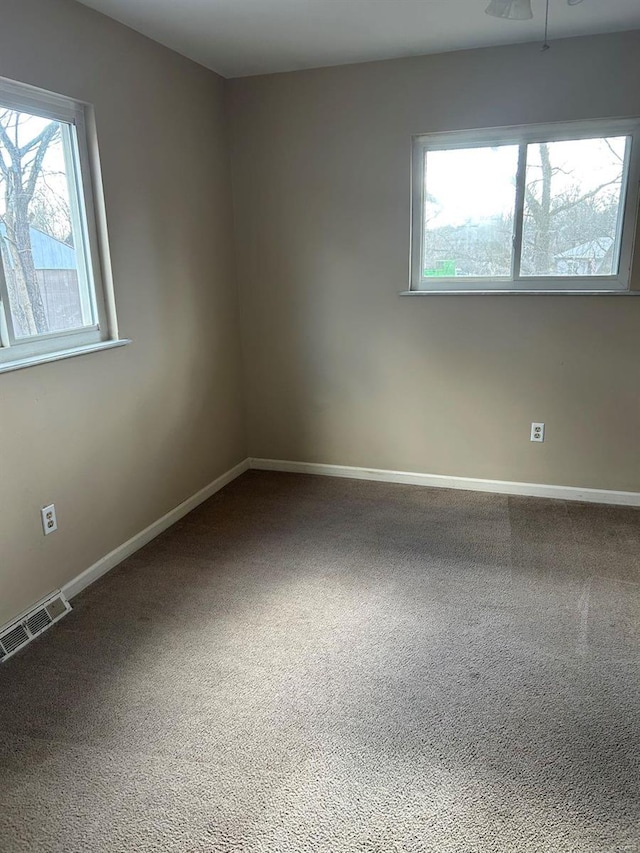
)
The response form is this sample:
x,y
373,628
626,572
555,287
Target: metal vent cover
x,y
38,621
14,638
57,607
31,624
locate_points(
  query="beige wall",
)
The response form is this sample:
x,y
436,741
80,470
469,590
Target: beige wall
x,y
338,368
118,438
342,370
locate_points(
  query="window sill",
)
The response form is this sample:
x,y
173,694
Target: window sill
x,y
44,358
519,293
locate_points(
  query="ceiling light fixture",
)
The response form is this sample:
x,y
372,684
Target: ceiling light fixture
x,y
515,10
520,10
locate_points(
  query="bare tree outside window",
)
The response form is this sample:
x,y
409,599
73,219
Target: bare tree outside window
x,y
516,211
469,211
572,200
42,280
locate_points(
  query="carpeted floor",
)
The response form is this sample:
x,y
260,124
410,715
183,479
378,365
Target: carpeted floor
x,y
310,664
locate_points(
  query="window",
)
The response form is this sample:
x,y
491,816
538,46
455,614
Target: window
x,y
535,209
52,299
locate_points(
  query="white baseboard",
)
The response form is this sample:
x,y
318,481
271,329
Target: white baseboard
x,y
111,560
503,487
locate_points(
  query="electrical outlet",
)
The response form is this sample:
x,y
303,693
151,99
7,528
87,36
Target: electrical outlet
x,y
537,432
49,520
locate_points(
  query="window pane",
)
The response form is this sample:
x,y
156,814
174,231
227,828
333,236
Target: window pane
x,y
469,211
41,227
572,200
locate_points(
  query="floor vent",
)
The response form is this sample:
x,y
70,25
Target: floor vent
x,y
38,622
20,633
14,639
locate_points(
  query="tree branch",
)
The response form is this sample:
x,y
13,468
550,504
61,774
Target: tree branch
x,y
46,137
615,153
582,198
46,133
8,144
533,203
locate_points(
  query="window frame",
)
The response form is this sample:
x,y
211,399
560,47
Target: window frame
x,y
87,210
522,136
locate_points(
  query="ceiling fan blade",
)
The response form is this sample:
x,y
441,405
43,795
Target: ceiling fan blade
x,y
515,10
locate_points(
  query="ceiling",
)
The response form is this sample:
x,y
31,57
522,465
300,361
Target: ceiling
x,y
238,38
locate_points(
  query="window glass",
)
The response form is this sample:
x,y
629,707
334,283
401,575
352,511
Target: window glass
x,y
533,209
42,241
469,204
572,207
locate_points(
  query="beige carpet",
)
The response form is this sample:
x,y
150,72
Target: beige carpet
x,y
307,664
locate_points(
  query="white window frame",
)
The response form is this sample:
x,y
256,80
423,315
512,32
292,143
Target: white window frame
x,y
523,136
87,211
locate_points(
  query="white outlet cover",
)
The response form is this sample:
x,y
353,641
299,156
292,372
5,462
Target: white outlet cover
x,y
49,520
537,432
